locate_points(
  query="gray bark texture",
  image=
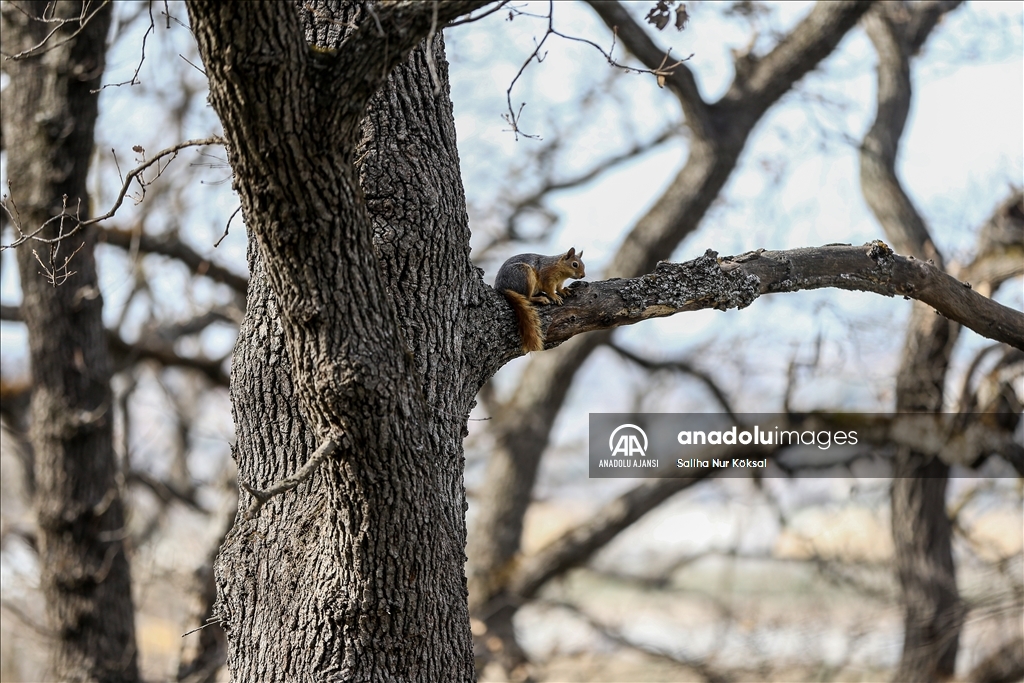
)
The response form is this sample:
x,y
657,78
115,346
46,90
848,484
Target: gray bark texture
x,y
49,112
359,299
368,332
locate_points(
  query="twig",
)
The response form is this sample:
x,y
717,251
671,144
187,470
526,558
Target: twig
x,y
227,226
661,72
200,70
82,20
478,17
260,497
57,275
134,80
212,622
128,179
24,618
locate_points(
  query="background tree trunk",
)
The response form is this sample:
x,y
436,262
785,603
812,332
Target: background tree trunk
x,y
49,112
922,533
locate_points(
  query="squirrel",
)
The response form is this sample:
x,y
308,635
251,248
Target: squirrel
x,y
522,279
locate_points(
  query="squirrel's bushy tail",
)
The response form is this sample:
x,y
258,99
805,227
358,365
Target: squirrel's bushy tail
x,y
529,321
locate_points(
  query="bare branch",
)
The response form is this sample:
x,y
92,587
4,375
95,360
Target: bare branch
x,y
25,619
679,78
135,173
166,491
1005,664
171,246
12,313
880,185
1001,247
699,665
58,23
165,355
227,226
478,17
968,399
768,77
551,185
171,332
925,17
577,545
679,366
662,70
134,80
735,281
260,497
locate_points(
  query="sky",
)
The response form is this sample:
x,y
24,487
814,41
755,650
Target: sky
x,y
796,185
962,149
797,182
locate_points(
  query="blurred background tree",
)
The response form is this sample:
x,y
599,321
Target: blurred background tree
x,y
572,578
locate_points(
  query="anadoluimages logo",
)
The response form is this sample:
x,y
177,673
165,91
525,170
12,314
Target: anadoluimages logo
x,y
628,443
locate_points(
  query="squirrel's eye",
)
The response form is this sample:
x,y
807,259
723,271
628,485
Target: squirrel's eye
x,y
575,264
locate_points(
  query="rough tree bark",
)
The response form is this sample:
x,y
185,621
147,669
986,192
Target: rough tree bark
x,y
49,111
368,331
358,301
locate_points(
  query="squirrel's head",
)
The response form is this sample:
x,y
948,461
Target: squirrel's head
x,y
575,261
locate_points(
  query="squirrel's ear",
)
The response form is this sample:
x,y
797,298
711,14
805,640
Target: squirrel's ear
x,y
569,254
580,255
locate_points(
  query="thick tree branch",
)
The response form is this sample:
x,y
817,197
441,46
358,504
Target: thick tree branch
x,y
125,352
814,38
578,545
1000,247
922,534
523,428
1002,666
171,246
925,17
712,159
735,281
888,27
11,313
382,40
680,80
340,74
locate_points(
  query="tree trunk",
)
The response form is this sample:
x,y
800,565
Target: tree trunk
x,y
359,299
50,107
922,533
